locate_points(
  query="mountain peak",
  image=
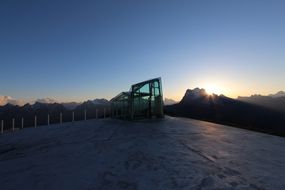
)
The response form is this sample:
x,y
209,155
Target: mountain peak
x,y
199,95
278,94
196,92
168,101
194,95
101,101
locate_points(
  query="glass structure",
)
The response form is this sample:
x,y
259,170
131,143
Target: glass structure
x,y
143,100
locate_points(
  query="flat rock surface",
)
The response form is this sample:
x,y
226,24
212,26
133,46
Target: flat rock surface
x,y
169,153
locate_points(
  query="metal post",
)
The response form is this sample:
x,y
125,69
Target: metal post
x,y
2,126
84,114
22,123
48,119
35,121
60,115
73,116
13,124
96,114
104,113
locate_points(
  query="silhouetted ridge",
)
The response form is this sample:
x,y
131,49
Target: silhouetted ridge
x,y
271,101
278,94
221,109
41,110
168,101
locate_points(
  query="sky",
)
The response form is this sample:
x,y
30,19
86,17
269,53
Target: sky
x,y
78,50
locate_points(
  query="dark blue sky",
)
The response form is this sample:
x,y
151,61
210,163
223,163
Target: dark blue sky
x,y
77,50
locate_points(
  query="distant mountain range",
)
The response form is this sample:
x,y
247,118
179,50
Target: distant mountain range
x,y
168,101
41,110
278,94
273,101
260,113
257,112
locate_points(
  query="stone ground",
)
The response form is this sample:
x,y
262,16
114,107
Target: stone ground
x,y
171,153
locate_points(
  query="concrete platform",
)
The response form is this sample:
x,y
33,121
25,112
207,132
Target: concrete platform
x,y
171,153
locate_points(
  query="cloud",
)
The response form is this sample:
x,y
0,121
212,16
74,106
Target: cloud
x,y
17,102
8,99
4,100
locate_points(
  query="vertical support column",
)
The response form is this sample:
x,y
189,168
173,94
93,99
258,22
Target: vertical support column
x,y
149,101
73,116
161,112
35,121
22,123
104,113
131,104
2,126
60,118
85,113
96,113
13,124
48,119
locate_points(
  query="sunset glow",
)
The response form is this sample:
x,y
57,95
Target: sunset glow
x,y
213,89
48,51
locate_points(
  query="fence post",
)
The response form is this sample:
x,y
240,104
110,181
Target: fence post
x,y
35,121
104,113
13,124
84,114
22,123
60,115
96,114
2,126
48,119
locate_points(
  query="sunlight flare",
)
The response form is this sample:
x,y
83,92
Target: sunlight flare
x,y
213,89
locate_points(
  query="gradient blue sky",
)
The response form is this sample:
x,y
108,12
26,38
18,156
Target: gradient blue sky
x,y
78,50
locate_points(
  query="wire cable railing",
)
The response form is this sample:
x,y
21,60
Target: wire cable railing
x,y
41,119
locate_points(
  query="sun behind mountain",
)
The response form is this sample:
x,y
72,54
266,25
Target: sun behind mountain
x,y
213,89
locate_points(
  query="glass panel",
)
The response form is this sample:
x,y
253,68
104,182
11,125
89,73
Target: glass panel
x,y
156,84
144,102
156,91
144,88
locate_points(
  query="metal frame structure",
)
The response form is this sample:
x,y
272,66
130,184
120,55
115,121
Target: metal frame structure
x,y
144,100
